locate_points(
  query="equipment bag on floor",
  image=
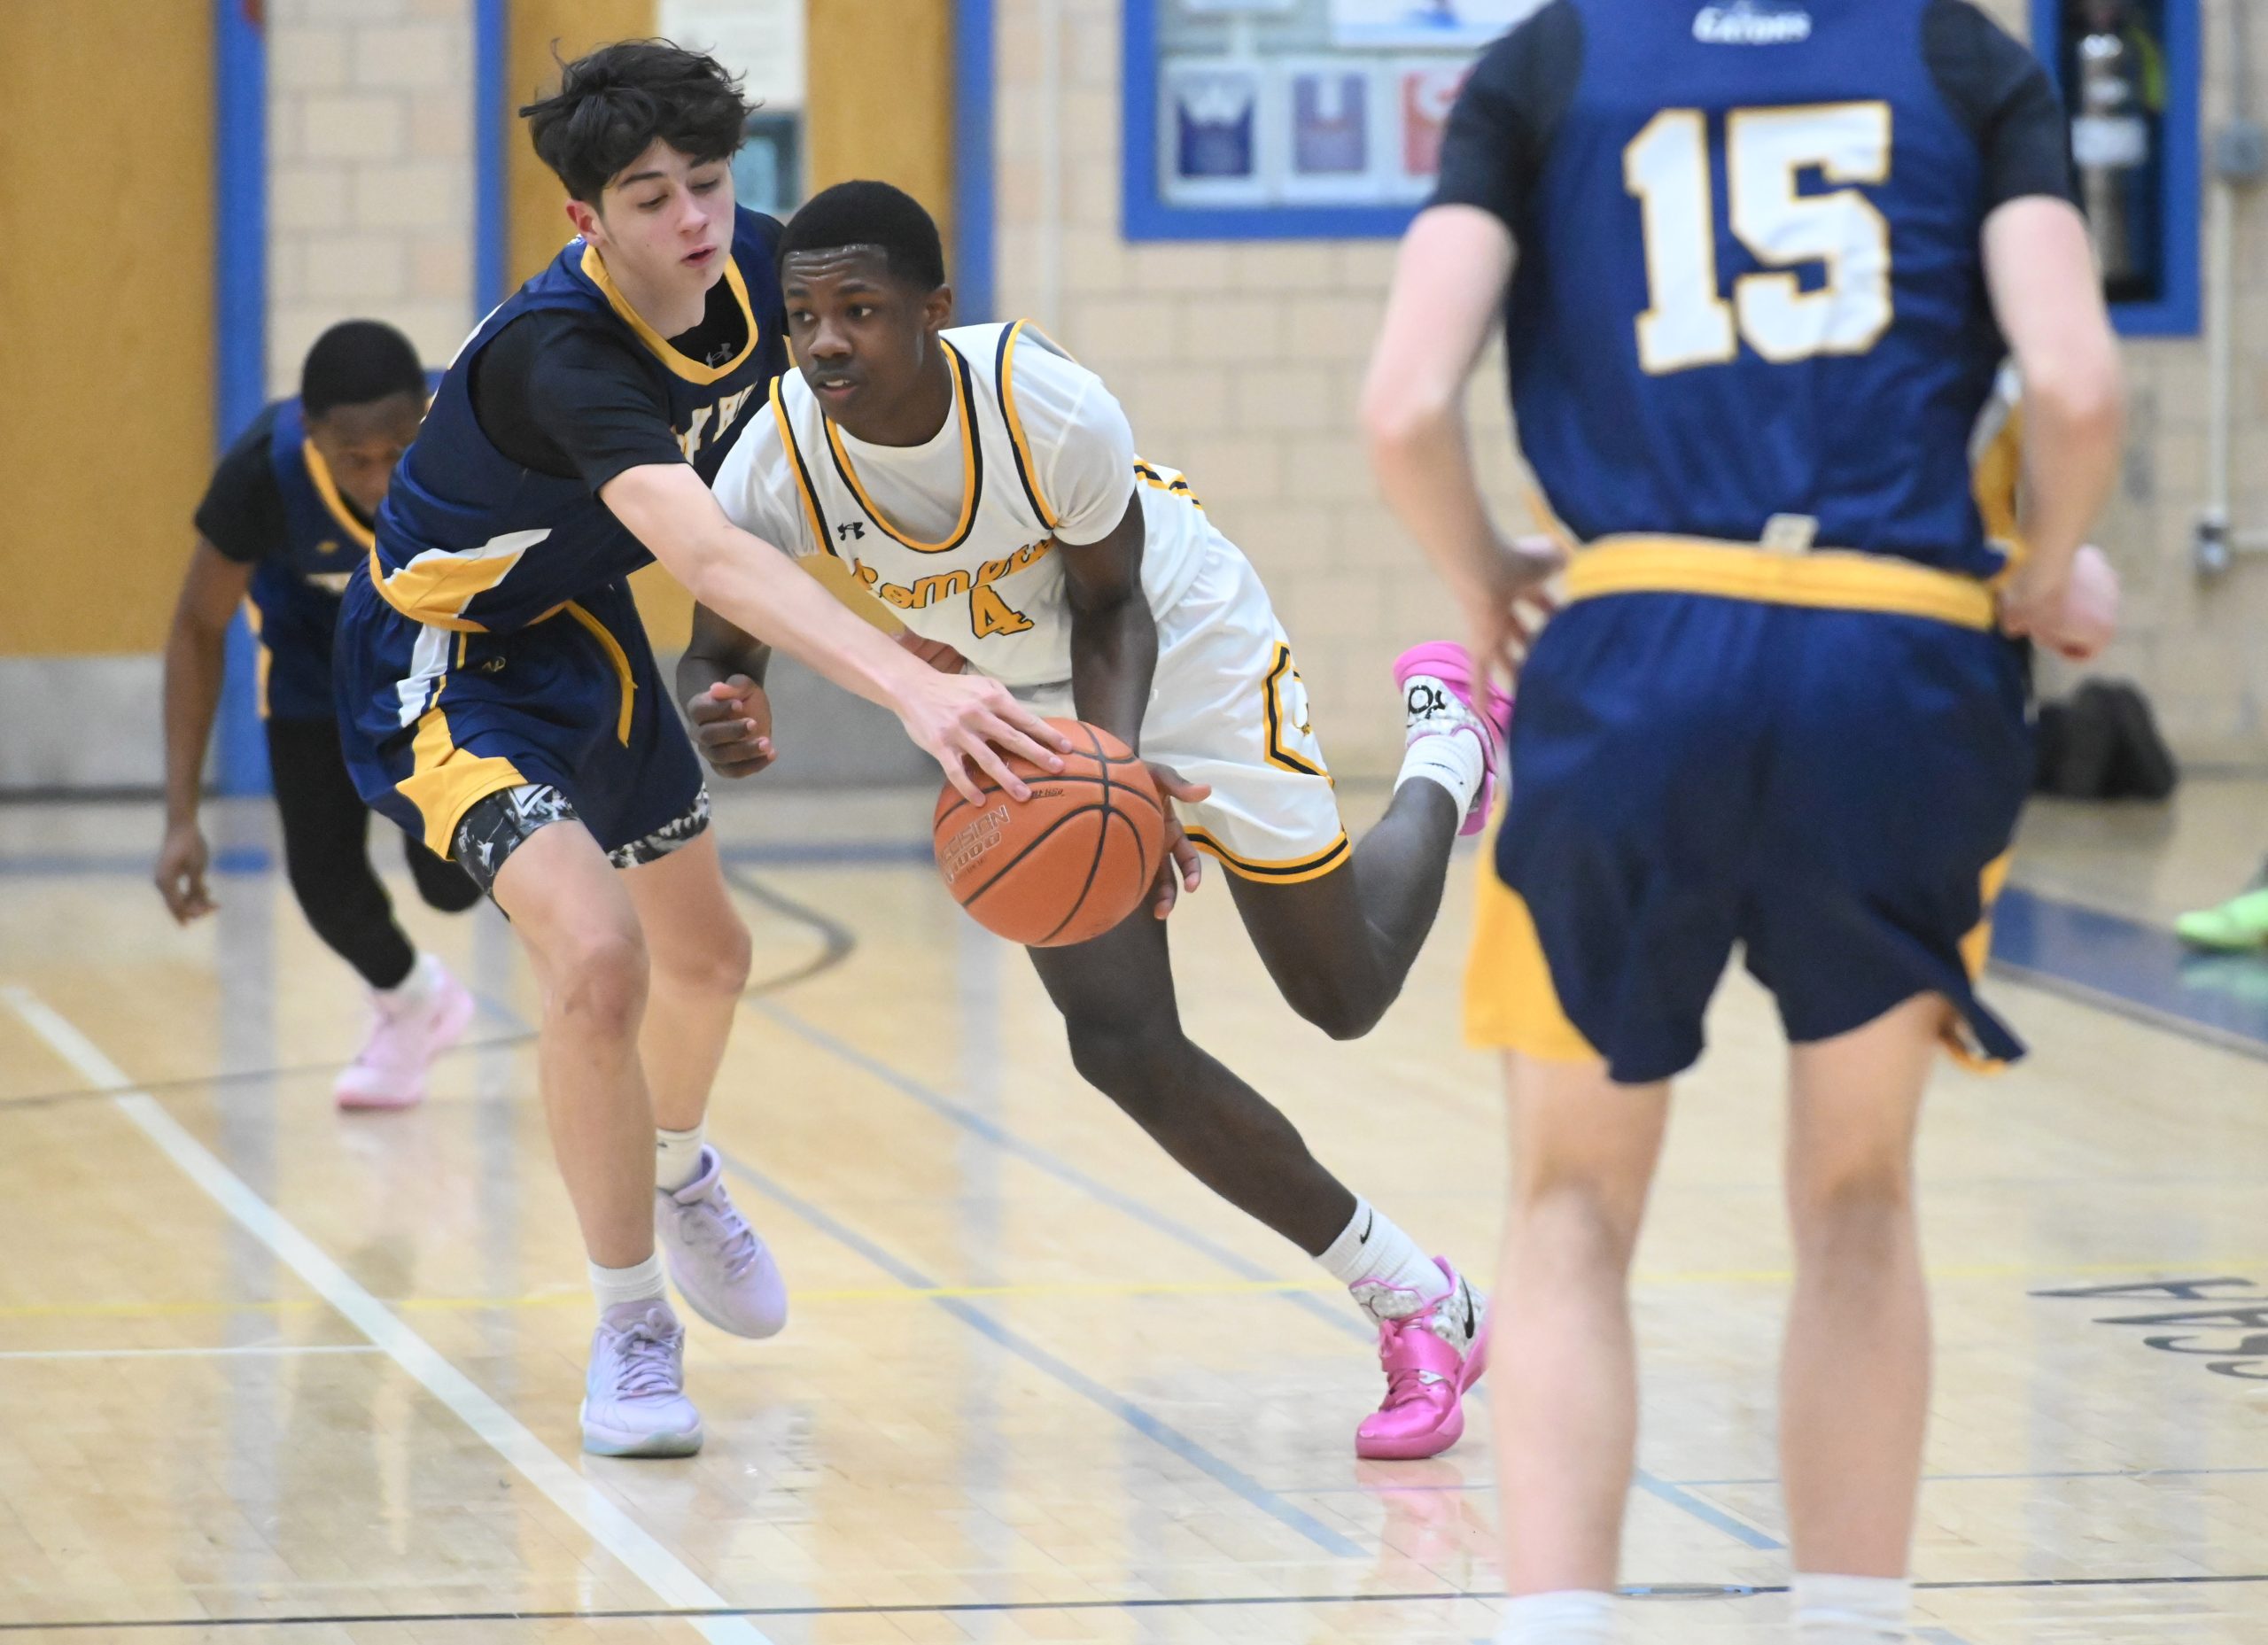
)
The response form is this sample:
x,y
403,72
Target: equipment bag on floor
x,y
2102,744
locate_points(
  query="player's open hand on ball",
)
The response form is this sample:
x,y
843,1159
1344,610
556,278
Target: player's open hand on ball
x,y
964,719
1507,608
732,726
1181,868
182,862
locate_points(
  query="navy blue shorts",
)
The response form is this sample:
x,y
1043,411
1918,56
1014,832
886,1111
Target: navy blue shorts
x,y
1834,790
433,720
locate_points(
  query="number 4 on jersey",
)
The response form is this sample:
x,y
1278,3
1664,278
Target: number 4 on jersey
x,y
1688,323
989,615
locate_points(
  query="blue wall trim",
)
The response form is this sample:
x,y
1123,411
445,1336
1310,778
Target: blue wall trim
x,y
973,210
1144,215
2178,313
239,333
491,123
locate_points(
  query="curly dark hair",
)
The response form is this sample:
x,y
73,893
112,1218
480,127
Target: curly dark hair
x,y
612,103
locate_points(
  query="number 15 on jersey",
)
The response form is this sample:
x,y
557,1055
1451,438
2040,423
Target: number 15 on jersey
x,y
1689,321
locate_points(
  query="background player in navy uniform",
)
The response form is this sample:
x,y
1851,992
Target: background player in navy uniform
x,y
1761,252
287,515
500,698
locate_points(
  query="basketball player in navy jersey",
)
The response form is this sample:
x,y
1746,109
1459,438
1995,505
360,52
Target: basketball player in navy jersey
x,y
287,515
1769,256
500,699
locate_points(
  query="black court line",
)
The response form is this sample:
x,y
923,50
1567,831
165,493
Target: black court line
x,y
1665,1592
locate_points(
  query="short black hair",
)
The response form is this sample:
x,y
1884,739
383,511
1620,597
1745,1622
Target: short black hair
x,y
871,214
612,103
356,363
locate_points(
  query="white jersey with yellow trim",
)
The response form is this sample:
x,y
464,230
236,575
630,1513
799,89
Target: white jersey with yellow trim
x,y
958,535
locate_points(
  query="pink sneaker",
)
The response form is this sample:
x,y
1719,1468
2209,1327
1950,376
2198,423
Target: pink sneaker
x,y
389,1072
1436,685
1433,1350
720,1264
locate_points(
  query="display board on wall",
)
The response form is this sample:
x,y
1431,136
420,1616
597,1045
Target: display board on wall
x,y
1279,119
762,41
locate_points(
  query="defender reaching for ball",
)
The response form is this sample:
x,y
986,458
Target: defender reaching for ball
x,y
497,698
986,488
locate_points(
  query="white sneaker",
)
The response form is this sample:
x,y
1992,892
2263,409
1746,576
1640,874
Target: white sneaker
x,y
389,1072
634,1394
720,1264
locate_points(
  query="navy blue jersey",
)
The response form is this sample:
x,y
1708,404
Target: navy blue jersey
x,y
1750,302
295,587
472,539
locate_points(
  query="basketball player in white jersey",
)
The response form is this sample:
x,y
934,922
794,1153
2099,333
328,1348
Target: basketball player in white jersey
x,y
986,488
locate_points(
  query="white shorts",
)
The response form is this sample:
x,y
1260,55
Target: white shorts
x,y
1228,708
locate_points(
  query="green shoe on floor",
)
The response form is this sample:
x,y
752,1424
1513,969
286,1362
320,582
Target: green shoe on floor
x,y
2242,922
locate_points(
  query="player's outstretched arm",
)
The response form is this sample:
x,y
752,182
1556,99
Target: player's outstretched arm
x,y
1448,283
958,720
196,652
2045,295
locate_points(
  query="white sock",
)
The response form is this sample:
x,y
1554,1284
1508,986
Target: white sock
x,y
1450,757
1570,1617
677,1157
1371,1251
423,982
641,1281
1850,1610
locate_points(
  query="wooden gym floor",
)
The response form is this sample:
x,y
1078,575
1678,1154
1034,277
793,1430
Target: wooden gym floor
x,y
272,1374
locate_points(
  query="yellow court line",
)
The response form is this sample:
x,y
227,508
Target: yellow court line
x,y
574,1296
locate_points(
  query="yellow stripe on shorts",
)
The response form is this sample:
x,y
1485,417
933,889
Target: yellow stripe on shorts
x,y
1510,1001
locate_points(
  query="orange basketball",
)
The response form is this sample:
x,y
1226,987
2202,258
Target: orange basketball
x,y
1068,864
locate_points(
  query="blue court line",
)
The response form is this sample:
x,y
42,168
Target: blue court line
x,y
1706,1511
1001,1137
1141,1421
2141,970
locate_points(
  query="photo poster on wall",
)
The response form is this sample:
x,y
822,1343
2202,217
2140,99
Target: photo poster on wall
x,y
1307,103
761,41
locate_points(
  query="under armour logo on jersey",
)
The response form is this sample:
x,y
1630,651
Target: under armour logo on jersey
x,y
1751,23
850,529
1426,700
